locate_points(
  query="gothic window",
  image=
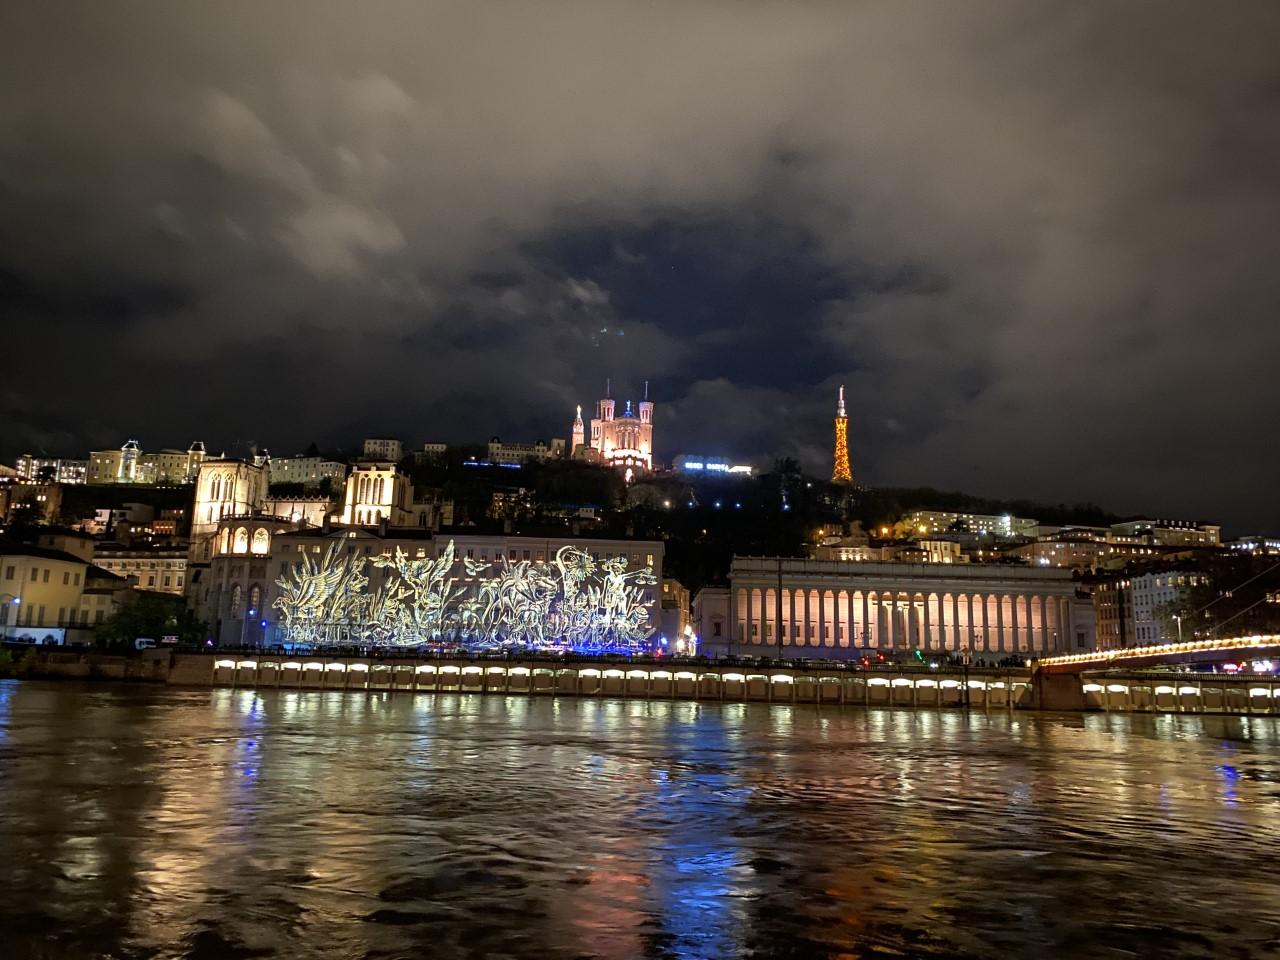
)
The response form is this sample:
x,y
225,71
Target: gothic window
x,y
241,542
224,541
255,598
235,600
261,540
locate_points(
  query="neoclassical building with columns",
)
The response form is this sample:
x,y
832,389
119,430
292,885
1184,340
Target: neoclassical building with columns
x,y
835,609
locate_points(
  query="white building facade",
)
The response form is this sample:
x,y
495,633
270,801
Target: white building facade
x,y
383,448
511,453
1150,597
56,469
925,522
311,472
831,609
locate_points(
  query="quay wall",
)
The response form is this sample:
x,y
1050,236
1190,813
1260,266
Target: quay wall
x,y
810,683
710,681
63,664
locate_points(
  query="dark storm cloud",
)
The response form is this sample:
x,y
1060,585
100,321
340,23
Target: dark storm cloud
x,y
1036,240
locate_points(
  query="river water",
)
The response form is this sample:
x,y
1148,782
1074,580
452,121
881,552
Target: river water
x,y
139,821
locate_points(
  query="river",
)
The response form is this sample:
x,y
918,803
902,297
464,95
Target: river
x,y
140,821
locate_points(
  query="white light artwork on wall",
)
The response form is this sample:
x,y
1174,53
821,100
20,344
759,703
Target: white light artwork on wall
x,y
573,602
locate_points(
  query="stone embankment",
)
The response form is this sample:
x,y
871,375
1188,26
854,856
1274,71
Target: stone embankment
x,y
833,684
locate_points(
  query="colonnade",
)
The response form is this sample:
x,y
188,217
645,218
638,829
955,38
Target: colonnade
x,y
982,622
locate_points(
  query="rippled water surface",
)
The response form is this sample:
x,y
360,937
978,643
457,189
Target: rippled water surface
x,y
140,822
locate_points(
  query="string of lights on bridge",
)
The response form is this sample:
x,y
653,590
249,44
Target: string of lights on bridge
x,y
1164,649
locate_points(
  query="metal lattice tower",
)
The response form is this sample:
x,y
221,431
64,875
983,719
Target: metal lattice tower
x,y
840,472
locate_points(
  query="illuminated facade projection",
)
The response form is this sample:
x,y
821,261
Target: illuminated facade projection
x,y
572,601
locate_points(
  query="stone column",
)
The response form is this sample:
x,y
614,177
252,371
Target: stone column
x,y
955,622
791,618
1037,635
967,630
942,621
865,638
1046,633
822,616
958,640
1013,613
940,627
804,629
982,632
1044,621
1001,641
1030,629
928,622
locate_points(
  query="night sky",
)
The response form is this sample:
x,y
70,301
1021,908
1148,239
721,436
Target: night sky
x,y
1038,241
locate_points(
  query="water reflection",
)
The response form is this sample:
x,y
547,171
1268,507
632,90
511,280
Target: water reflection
x,y
140,822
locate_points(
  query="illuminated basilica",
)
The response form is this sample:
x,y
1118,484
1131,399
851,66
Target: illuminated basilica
x,y
623,439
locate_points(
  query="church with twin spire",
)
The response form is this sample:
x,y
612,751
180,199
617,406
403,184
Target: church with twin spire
x,y
622,439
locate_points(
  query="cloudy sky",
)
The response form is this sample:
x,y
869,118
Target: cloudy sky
x,y
1037,240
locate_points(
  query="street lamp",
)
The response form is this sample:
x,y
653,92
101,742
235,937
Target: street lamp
x,y
1178,618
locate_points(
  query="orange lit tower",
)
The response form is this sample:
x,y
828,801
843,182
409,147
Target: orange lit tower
x,y
840,472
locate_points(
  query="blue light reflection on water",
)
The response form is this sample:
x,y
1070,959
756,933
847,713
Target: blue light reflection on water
x,y
1230,778
7,690
698,872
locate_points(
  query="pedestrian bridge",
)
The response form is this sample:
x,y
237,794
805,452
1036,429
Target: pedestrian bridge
x,y
1214,650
